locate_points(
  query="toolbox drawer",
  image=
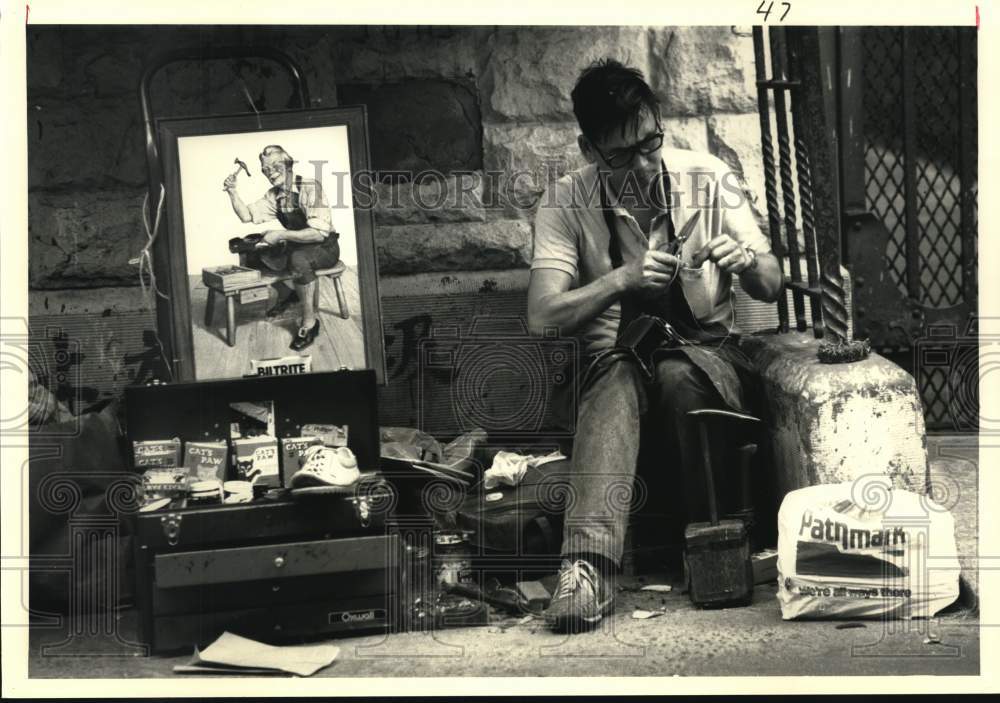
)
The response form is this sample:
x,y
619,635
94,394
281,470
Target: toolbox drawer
x,y
274,592
291,559
275,623
252,295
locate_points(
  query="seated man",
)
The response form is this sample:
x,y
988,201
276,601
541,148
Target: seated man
x,y
607,248
301,208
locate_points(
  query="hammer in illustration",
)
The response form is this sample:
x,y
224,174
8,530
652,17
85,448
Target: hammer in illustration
x,y
240,166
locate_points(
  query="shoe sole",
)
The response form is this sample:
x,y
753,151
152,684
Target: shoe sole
x,y
314,491
565,623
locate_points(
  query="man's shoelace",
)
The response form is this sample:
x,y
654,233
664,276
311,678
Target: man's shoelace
x,y
570,578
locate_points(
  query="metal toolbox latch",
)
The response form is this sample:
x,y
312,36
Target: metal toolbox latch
x,y
364,510
172,528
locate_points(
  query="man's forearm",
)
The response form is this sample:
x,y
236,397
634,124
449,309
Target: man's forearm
x,y
239,207
304,236
569,310
764,282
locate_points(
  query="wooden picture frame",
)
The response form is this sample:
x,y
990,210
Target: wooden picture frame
x,y
326,149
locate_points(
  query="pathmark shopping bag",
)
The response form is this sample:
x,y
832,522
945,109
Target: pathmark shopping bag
x,y
857,550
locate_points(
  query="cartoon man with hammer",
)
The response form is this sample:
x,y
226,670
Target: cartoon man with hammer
x,y
301,208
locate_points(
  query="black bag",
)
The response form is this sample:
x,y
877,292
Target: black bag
x,y
76,473
518,526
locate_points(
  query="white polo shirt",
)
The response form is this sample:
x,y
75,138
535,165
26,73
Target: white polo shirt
x,y
571,235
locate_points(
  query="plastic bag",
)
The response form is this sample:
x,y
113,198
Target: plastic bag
x,y
408,443
862,549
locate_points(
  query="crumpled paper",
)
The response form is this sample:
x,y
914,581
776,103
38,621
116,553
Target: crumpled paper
x,y
242,655
509,467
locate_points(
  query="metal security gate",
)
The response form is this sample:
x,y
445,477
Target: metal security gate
x,y
909,158
880,125
887,119
914,132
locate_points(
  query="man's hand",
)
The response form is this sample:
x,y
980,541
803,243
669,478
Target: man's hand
x,y
724,251
229,185
653,273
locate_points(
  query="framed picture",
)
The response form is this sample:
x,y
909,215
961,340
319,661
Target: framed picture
x,y
272,266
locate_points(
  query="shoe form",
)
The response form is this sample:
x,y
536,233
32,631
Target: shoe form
x,y
326,466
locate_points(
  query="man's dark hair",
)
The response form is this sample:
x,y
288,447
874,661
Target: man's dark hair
x,y
610,95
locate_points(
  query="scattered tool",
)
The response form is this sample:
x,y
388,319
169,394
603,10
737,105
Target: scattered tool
x,y
717,553
535,595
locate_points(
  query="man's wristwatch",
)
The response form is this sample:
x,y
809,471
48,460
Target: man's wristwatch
x,y
752,255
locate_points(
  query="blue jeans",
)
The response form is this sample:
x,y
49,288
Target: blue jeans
x,y
610,412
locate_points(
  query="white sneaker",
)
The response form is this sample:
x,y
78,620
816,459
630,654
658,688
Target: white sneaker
x,y
581,599
326,466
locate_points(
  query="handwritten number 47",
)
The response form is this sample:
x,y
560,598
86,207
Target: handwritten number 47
x,y
770,5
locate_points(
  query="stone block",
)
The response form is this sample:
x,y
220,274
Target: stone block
x,y
98,302
433,198
107,73
85,142
44,51
524,161
685,133
531,71
84,239
474,246
702,70
377,54
837,422
736,140
420,124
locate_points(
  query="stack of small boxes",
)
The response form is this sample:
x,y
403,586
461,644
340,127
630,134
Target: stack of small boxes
x,y
206,474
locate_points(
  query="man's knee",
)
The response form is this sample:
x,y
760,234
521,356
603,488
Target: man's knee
x,y
679,371
619,379
683,386
619,373
301,267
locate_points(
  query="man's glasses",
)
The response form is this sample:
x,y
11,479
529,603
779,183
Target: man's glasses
x,y
618,158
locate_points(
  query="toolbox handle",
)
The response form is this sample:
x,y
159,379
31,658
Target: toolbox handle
x,y
706,462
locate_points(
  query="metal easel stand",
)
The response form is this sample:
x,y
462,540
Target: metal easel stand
x,y
154,170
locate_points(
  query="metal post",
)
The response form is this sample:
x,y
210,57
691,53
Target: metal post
x,y
770,187
913,267
968,181
778,68
817,47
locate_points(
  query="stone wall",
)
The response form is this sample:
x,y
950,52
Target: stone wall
x,y
505,90
454,104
